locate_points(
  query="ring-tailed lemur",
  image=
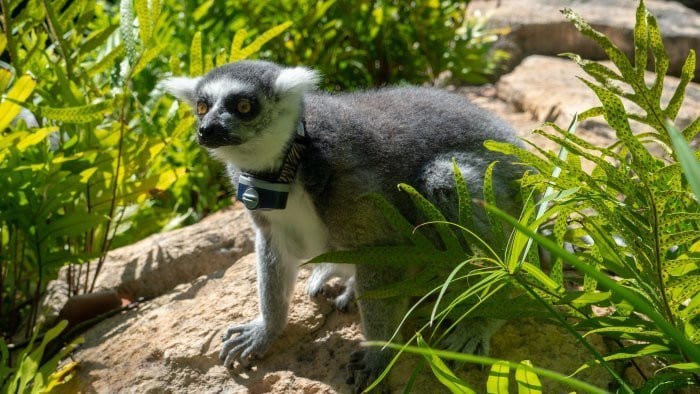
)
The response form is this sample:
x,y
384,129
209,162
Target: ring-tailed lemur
x,y
302,160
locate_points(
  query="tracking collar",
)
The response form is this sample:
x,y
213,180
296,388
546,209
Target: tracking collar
x,y
270,190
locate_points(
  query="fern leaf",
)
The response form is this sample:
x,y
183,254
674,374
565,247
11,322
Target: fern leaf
x,y
143,13
681,266
395,256
465,202
496,227
263,39
432,214
417,286
641,41
598,71
591,113
107,61
236,45
687,75
524,155
614,53
682,289
156,6
615,115
126,29
147,57
97,39
692,130
680,238
196,67
83,114
398,221
661,61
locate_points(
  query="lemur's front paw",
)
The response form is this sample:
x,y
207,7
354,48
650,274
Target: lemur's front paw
x,y
253,340
365,366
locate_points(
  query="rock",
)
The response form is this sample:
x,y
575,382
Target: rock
x,y
537,27
171,344
547,89
157,264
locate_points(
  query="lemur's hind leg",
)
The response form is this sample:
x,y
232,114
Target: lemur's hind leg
x,y
380,318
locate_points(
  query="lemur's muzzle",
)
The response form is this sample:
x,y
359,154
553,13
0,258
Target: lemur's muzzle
x,y
214,135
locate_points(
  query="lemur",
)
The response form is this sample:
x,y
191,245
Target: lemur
x,y
302,161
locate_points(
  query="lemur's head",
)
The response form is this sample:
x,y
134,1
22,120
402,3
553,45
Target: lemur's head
x,y
246,111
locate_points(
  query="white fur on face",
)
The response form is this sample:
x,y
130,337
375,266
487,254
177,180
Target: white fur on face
x,y
218,89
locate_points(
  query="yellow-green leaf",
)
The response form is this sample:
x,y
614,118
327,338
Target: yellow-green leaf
x,y
35,137
443,373
196,67
237,44
5,78
17,94
86,174
497,382
262,39
145,22
83,114
3,43
147,57
528,382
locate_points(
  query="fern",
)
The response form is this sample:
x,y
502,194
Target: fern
x,y
634,218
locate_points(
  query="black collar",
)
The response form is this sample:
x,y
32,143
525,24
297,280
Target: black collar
x,y
270,190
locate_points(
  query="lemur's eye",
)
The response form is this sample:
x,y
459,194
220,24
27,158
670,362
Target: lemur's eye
x,y
202,108
244,106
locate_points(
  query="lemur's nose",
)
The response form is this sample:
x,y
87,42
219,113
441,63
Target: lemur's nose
x,y
214,135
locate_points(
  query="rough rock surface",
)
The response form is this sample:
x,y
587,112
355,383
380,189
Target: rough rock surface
x,y
538,27
171,344
155,265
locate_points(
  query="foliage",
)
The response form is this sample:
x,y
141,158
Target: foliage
x,y
632,222
358,43
31,375
102,158
93,156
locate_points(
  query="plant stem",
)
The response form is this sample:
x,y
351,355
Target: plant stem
x,y
115,185
7,26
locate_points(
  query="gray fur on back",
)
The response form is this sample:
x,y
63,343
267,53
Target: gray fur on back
x,y
369,142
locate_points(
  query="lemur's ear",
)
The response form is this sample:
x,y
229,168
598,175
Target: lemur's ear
x,y
182,88
296,80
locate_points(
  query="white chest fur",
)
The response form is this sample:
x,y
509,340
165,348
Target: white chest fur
x,y
297,231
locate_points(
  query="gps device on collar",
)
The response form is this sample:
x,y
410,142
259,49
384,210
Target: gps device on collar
x,y
270,191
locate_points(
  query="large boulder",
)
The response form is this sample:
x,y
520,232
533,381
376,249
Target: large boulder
x,y
538,27
171,344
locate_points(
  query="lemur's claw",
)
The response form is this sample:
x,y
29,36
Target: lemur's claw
x,y
252,340
365,367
